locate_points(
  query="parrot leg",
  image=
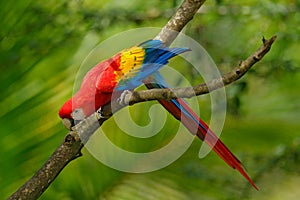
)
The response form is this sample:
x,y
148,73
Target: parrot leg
x,y
124,98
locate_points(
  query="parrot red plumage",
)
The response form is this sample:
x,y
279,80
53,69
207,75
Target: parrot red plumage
x,y
126,71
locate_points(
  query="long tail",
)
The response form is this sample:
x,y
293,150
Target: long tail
x,y
181,111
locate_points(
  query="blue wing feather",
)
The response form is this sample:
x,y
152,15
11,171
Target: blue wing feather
x,y
156,56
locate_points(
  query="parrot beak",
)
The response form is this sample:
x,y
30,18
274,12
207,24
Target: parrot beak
x,y
68,123
77,115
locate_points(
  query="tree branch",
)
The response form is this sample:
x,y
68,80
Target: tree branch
x,y
183,15
66,152
70,148
188,92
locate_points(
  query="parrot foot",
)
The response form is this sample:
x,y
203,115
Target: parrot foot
x,y
124,98
101,114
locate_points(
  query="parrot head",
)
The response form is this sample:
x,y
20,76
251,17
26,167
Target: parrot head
x,y
65,114
70,115
66,110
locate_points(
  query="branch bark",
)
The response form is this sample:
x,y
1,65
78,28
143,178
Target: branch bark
x,y
66,152
70,148
203,88
183,15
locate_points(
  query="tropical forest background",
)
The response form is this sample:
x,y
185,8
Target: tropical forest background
x,y
42,46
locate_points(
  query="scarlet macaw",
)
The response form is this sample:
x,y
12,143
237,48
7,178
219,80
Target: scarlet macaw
x,y
126,71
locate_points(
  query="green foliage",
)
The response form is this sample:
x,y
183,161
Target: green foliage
x,y
42,44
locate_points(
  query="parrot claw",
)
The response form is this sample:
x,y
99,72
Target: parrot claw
x,y
99,114
102,115
124,98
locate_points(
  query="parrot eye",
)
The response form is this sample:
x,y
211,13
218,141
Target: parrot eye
x,y
68,123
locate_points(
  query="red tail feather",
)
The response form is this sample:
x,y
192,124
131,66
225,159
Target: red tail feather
x,y
205,134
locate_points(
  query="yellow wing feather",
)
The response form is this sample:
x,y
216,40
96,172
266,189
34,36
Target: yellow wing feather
x,y
130,63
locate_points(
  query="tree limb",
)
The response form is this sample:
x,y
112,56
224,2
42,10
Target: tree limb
x,y
188,92
66,152
183,15
70,148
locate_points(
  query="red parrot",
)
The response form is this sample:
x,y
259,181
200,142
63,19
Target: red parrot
x,y
126,71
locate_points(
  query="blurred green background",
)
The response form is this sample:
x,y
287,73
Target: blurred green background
x,y
43,43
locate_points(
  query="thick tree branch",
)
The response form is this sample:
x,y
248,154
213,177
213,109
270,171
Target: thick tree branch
x,y
183,15
65,153
70,148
